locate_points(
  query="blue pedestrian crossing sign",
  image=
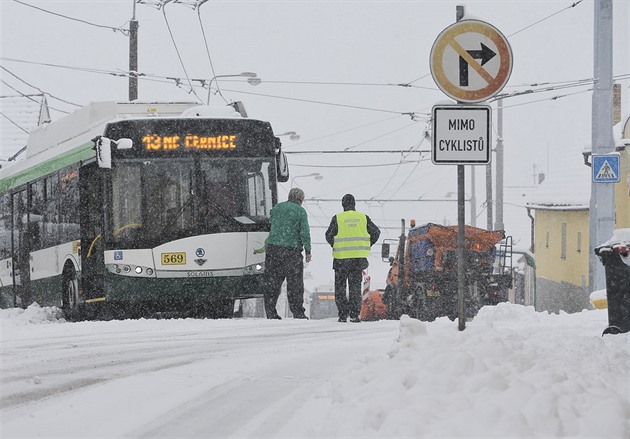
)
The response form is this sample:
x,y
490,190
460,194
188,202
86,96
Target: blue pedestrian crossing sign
x,y
605,168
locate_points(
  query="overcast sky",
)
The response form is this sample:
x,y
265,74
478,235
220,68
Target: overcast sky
x,y
331,71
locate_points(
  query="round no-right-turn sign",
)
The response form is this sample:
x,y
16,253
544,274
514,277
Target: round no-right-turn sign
x,y
471,61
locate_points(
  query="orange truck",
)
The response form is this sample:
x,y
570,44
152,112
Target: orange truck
x,y
372,305
423,283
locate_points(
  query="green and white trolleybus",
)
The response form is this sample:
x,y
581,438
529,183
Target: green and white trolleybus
x,y
133,207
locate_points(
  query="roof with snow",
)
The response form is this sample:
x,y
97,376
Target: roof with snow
x,y
19,115
566,187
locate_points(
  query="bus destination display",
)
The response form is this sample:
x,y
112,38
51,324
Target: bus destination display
x,y
154,142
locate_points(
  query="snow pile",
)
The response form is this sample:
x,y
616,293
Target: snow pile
x,y
512,373
32,314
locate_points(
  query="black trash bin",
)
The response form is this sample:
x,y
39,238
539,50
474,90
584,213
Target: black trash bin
x,y
615,258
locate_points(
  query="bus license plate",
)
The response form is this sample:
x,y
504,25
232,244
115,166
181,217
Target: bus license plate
x,y
178,258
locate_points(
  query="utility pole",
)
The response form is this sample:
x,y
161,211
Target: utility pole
x,y
602,205
498,225
133,56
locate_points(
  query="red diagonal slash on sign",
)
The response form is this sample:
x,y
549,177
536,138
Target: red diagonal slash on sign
x,y
471,61
459,90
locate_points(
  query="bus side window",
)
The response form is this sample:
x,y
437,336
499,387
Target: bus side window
x,y
5,226
51,211
36,215
68,210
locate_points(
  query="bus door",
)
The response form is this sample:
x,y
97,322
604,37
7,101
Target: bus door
x,y
91,218
21,250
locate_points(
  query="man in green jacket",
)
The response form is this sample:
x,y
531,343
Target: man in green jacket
x,y
290,233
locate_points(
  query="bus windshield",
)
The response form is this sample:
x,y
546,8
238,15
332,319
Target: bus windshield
x,y
156,200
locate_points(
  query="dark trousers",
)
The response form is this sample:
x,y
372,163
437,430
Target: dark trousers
x,y
284,263
351,305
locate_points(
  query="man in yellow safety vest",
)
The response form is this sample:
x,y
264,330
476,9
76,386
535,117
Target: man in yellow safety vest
x,y
350,234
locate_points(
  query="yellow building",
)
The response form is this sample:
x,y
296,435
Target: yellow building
x,y
622,189
561,229
562,255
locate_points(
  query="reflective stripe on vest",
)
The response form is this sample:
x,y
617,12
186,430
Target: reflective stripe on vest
x,y
352,239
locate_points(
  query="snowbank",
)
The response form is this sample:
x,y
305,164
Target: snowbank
x,y
33,314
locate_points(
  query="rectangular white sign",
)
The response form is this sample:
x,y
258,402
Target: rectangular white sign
x,y
461,135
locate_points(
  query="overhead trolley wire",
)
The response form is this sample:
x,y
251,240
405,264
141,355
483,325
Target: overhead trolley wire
x,y
115,29
205,40
379,137
546,18
36,88
13,122
341,132
356,107
181,61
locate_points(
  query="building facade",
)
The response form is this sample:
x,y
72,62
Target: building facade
x,y
561,229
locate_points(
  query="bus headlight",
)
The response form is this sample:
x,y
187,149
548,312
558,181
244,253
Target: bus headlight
x,y
131,270
255,269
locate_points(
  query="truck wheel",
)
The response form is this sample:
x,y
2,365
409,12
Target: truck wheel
x,y
393,303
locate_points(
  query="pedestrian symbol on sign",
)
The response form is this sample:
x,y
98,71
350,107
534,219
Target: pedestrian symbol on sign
x,y
605,168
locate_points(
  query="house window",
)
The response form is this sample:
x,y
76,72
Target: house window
x,y
579,242
547,240
563,242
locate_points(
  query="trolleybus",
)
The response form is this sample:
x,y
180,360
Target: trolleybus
x,y
139,207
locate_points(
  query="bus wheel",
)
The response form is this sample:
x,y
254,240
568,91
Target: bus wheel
x,y
70,292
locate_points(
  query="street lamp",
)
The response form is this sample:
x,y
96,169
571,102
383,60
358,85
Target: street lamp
x,y
292,135
252,79
317,176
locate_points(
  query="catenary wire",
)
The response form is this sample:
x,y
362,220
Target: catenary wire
x,y
546,18
205,40
36,88
181,61
115,29
13,122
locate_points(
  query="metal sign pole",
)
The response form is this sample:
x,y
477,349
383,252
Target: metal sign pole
x,y
461,224
461,241
470,61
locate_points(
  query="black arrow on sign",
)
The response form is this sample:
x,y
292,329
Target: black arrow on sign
x,y
485,55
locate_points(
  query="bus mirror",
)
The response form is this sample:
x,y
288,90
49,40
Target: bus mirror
x,y
385,251
124,143
282,167
103,152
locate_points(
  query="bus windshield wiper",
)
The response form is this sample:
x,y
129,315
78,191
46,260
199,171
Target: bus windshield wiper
x,y
220,211
177,214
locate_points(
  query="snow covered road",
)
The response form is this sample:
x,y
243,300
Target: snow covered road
x,y
174,378
513,373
